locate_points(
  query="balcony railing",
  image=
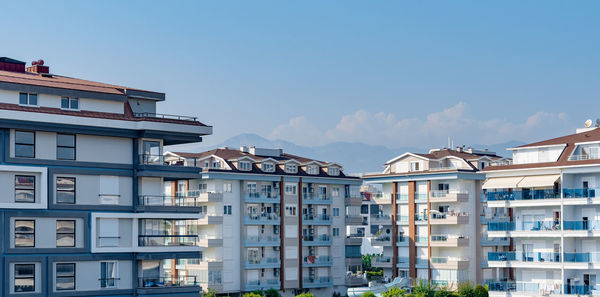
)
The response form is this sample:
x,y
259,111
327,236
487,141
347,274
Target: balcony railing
x,y
590,257
262,284
258,240
269,218
174,201
420,196
446,260
314,282
512,286
383,239
382,259
524,257
311,198
581,193
318,260
167,240
164,116
262,262
167,281
316,219
525,226
522,195
584,157
317,240
148,159
421,218
262,197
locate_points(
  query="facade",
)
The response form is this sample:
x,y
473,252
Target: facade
x,y
282,220
84,211
427,215
545,205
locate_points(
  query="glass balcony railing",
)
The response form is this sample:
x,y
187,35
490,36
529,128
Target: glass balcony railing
x,y
259,240
524,226
524,257
262,197
581,193
382,239
170,201
167,281
149,159
267,218
382,259
421,218
317,281
316,219
312,198
579,289
403,261
522,195
590,257
318,260
317,240
167,240
420,196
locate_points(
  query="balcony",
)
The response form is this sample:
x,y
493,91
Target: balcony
x,y
402,220
524,287
353,240
149,159
523,260
321,219
321,240
494,241
262,197
167,281
210,218
168,240
449,218
320,282
448,196
421,263
421,239
401,198
354,220
381,219
263,219
402,240
522,198
262,285
381,261
167,201
449,241
589,257
380,198
210,240
317,261
382,240
485,219
449,263
403,262
421,219
353,200
420,197
258,263
528,228
353,280
164,116
202,196
260,241
316,199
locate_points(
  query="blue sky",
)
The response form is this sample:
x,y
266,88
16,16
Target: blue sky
x,y
392,73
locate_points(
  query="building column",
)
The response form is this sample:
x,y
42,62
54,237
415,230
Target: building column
x,y
281,236
300,236
394,230
428,231
412,249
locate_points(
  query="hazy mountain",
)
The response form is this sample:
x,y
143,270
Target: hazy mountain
x,y
354,156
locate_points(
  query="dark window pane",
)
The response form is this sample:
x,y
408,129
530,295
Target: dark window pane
x,y
65,197
24,240
64,102
24,270
22,98
65,226
65,269
65,183
65,140
24,137
24,151
75,103
32,99
25,181
25,226
25,196
65,153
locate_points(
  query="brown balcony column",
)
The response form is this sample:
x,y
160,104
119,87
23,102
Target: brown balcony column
x,y
412,249
281,237
394,230
428,230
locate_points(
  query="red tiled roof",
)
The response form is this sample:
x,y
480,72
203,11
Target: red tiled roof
x,y
592,135
57,81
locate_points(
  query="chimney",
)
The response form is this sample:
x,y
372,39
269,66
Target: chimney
x,y
244,149
38,67
8,64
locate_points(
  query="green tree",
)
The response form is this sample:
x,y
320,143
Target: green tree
x,y
272,293
480,291
210,293
465,289
366,262
252,294
367,294
424,289
394,292
444,292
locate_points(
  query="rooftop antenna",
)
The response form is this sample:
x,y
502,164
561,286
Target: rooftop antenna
x,y
449,141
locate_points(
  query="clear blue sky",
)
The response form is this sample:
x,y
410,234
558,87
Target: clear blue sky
x,y
395,73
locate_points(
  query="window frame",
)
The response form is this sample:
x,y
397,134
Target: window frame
x,y
27,277
25,144
28,99
114,279
74,233
21,232
70,101
56,277
74,191
74,147
25,189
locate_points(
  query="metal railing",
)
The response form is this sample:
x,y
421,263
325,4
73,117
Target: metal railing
x,y
149,159
159,200
584,157
167,281
164,116
524,257
167,240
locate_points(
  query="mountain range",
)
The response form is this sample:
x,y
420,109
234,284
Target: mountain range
x,y
356,157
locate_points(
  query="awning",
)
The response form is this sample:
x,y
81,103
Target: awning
x,y
502,182
539,181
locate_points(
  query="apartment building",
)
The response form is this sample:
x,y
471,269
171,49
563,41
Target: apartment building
x,y
427,215
549,196
84,211
282,220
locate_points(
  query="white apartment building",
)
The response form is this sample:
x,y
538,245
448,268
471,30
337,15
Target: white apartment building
x,y
549,199
281,220
82,172
428,215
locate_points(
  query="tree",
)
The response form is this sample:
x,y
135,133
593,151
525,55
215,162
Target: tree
x,y
465,289
443,292
305,295
367,294
210,293
424,289
272,293
480,291
394,292
252,294
366,262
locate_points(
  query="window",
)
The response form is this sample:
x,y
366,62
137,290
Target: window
x,y
336,212
414,166
364,209
335,192
28,99
65,146
290,189
65,233
216,164
290,210
65,190
65,276
291,168
25,144
227,209
227,188
268,167
334,171
69,103
336,232
108,274
24,277
245,166
25,188
312,169
24,233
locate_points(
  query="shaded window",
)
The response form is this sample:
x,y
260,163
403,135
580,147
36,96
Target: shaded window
x,y
25,144
24,277
65,146
108,274
65,190
65,233
69,103
28,99
24,233
25,188
65,276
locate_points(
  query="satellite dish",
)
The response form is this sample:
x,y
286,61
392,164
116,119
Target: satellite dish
x,y
588,123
